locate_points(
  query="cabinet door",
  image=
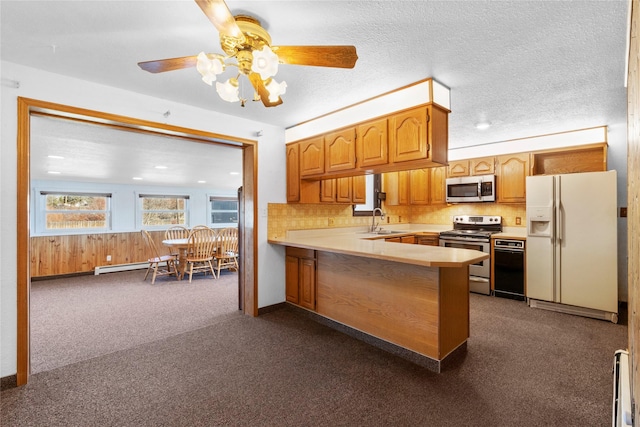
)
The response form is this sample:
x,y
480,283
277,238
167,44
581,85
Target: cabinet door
x,y
404,197
512,170
292,277
408,135
312,156
483,166
293,173
438,191
328,190
343,190
408,239
359,189
458,168
393,239
340,150
419,186
308,283
390,188
372,144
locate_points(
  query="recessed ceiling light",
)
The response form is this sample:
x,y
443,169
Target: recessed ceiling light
x,y
137,178
483,125
55,157
202,182
161,167
54,172
234,173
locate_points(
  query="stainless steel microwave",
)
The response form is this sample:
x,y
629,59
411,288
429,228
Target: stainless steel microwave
x,y
481,188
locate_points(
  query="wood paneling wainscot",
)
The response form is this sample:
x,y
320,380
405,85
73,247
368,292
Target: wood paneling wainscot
x,y
82,253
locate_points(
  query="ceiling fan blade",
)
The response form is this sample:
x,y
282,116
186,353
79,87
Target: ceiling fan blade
x,y
162,65
318,56
258,85
220,16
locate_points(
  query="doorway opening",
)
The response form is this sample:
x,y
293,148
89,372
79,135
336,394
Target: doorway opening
x,y
247,271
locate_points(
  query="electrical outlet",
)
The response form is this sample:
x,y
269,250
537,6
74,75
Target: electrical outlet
x,y
518,220
332,222
623,212
108,258
399,218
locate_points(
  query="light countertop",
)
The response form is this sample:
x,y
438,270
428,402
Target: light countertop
x,y
358,242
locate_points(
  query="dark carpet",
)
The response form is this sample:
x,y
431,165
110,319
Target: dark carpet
x,y
523,367
81,317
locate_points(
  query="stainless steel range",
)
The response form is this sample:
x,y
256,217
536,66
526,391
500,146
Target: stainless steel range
x,y
474,232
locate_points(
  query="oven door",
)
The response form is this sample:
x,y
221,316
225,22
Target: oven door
x,y
480,269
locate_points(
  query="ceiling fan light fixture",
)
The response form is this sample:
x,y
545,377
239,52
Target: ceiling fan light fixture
x,y
209,66
265,62
228,90
275,89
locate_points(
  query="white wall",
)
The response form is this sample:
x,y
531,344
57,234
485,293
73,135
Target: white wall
x,y
64,90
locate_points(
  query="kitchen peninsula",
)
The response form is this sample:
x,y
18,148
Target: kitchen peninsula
x,y
411,300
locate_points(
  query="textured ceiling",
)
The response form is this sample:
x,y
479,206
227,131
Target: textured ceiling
x,y
528,67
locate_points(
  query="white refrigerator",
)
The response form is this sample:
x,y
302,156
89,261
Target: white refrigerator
x,y
571,255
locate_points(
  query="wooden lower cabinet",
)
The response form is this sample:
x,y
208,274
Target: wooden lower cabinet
x,y
300,277
430,239
401,239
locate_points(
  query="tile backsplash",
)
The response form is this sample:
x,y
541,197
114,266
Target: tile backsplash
x,y
283,216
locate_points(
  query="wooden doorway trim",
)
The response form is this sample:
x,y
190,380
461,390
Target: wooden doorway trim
x,y
27,107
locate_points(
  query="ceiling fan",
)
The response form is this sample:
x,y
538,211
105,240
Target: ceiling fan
x,y
243,39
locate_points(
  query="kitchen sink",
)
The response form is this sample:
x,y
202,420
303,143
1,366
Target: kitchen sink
x,y
384,232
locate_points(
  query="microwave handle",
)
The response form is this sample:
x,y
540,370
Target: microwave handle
x,y
480,189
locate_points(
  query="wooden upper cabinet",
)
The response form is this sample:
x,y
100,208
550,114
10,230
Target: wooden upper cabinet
x,y
469,167
328,190
359,189
408,135
419,185
390,188
293,173
312,156
343,190
404,182
458,168
340,150
483,166
438,193
511,172
372,144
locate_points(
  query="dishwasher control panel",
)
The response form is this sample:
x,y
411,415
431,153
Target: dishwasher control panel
x,y
509,244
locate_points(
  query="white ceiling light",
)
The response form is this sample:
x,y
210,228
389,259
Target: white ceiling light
x,y
54,172
161,167
483,125
55,157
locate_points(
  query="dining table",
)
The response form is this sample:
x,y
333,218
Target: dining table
x,y
181,245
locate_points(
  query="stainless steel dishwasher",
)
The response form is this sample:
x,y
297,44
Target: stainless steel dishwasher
x,y
509,269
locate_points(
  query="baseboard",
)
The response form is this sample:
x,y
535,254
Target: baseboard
x,y
570,309
122,267
8,382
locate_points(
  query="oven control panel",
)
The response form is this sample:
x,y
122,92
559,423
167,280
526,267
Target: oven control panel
x,y
477,219
509,244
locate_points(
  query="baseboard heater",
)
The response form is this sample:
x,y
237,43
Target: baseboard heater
x,y
622,413
121,267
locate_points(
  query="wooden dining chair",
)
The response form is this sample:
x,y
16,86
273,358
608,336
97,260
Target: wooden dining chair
x,y
155,259
200,251
176,232
227,251
200,227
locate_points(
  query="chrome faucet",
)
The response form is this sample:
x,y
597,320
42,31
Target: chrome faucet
x,y
373,219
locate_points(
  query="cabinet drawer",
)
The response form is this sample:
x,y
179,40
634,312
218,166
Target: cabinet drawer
x,y
300,252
